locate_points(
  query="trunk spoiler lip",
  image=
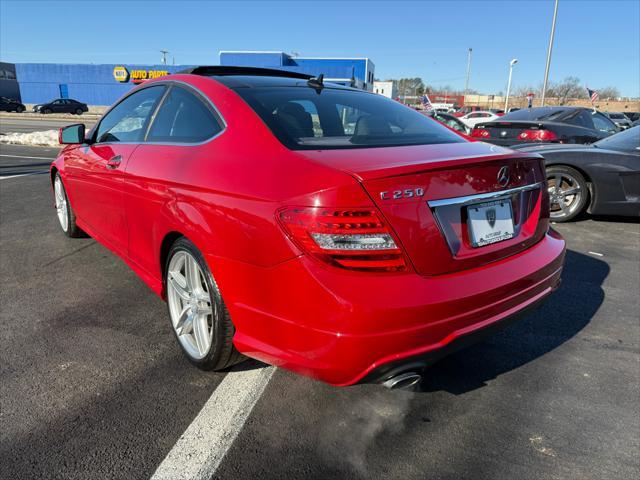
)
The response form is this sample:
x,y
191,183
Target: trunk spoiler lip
x,y
448,164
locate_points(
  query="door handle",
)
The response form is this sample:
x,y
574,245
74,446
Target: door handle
x,y
114,162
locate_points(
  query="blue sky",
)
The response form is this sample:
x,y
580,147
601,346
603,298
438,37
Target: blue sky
x,y
597,41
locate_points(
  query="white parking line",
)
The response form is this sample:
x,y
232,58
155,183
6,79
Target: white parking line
x,y
201,448
24,174
24,156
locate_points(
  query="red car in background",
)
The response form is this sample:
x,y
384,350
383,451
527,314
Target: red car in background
x,y
319,228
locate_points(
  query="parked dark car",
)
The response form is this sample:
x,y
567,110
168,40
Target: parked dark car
x,y
602,178
633,116
10,105
546,125
62,105
620,119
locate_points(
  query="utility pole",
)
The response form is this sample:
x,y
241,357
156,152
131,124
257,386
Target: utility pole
x,y
164,56
466,83
546,70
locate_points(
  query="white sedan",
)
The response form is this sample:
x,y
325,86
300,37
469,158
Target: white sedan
x,y
473,118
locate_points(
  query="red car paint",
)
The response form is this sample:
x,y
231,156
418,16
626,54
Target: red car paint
x,y
289,307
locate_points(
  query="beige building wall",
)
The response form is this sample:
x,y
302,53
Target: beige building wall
x,y
484,101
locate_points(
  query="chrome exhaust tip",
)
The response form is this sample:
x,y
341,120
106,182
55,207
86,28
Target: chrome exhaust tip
x,y
402,381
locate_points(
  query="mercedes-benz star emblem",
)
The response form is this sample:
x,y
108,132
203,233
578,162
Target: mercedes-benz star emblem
x,y
503,176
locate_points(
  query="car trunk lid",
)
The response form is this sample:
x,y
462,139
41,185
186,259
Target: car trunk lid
x,y
425,193
509,130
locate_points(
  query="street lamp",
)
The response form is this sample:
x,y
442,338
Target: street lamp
x,y
506,100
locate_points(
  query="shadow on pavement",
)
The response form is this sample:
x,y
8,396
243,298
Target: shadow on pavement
x,y
557,320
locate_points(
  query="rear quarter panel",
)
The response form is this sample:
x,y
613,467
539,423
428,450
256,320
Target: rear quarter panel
x,y
223,195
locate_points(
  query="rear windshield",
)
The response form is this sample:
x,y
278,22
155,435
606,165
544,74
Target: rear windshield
x,y
542,113
303,118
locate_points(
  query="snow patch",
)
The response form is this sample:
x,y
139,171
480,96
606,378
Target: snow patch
x,y
48,138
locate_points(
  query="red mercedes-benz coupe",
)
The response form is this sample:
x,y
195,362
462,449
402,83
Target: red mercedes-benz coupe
x,y
323,229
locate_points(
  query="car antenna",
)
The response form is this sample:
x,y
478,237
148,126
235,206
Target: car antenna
x,y
317,82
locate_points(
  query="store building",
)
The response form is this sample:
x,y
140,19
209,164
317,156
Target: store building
x,y
356,72
388,89
103,84
93,84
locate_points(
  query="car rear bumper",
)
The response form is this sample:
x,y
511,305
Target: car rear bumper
x,y
344,328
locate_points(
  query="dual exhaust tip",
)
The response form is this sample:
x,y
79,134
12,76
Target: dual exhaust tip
x,y
402,381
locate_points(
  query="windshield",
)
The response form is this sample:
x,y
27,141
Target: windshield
x,y
304,118
625,141
541,113
617,116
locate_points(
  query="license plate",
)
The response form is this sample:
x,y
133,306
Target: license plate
x,y
490,222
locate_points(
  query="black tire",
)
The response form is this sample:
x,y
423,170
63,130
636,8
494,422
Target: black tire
x,y
19,109
79,111
46,111
222,354
564,206
72,229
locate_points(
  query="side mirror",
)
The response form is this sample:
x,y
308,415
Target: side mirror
x,y
71,134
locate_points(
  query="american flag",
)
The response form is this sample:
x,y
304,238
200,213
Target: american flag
x,y
593,95
426,103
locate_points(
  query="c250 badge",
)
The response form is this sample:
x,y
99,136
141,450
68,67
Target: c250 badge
x,y
398,194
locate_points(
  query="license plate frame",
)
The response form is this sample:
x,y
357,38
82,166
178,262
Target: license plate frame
x,y
481,232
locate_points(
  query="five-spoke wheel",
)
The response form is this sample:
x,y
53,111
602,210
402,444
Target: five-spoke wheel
x,y
61,203
568,193
66,215
198,314
190,304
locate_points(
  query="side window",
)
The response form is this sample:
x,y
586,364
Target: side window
x,y
183,118
583,119
603,124
128,120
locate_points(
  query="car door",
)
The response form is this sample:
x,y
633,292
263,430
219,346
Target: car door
x,y
163,164
96,172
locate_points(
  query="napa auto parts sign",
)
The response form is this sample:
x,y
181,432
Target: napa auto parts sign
x,y
124,75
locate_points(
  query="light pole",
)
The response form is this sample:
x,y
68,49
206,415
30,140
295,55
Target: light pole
x,y
466,83
546,70
506,100
164,56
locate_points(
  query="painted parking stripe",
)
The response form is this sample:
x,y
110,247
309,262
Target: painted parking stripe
x,y
39,172
24,156
201,448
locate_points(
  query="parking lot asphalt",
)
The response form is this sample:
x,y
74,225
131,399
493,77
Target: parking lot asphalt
x,y
94,385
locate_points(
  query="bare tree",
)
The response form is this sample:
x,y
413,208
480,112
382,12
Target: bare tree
x,y
608,93
569,88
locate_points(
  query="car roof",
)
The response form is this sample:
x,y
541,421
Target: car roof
x,y
252,77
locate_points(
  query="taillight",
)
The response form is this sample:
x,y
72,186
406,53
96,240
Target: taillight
x,y
354,238
537,136
480,133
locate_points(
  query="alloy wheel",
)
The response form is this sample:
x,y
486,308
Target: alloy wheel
x,y
565,194
190,306
61,204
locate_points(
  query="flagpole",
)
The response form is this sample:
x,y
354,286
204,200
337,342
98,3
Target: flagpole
x,y
546,70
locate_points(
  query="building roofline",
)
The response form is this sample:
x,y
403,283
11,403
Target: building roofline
x,y
289,55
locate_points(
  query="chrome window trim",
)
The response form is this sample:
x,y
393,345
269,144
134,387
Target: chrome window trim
x,y
481,197
168,84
